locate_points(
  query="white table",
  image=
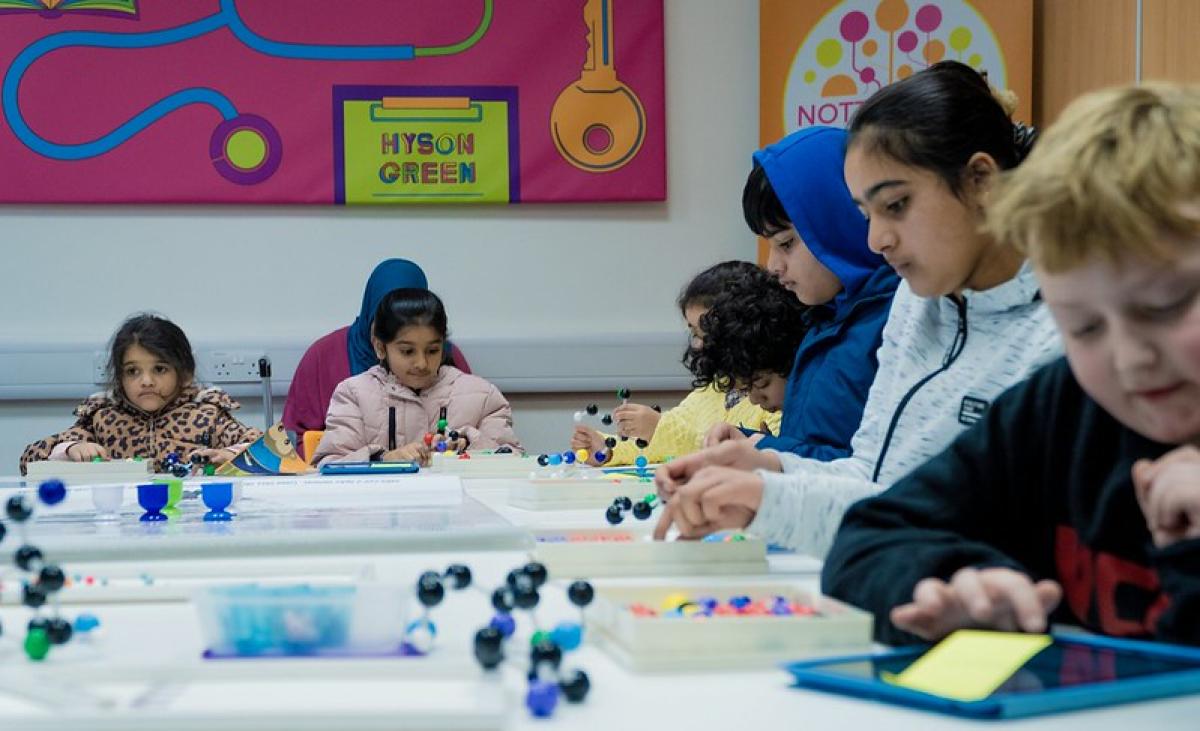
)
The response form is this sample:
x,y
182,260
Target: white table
x,y
164,634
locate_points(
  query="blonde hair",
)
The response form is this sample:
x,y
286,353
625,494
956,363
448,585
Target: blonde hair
x,y
1118,174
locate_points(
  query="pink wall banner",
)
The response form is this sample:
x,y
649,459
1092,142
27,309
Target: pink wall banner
x,y
376,102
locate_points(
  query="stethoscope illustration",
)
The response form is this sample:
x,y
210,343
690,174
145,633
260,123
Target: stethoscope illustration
x,y
597,123
245,148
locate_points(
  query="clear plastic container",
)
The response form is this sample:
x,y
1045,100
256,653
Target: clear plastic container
x,y
253,620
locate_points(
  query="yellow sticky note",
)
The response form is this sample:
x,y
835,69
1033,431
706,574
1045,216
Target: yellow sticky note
x,y
970,664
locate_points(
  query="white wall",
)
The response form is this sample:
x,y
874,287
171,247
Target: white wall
x,y
75,272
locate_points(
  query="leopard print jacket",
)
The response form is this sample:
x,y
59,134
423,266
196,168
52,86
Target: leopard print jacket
x,y
196,419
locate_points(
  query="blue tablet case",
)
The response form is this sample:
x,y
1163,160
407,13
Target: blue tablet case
x,y
369,468
1074,672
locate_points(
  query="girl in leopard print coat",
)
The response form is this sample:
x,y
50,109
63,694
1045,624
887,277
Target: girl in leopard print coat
x,y
152,407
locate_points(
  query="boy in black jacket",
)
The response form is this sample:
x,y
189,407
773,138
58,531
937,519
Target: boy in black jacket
x,y
1077,498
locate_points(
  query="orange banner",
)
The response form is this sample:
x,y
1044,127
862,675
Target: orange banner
x,y
820,59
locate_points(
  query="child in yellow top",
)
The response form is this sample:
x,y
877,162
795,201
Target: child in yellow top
x,y
681,430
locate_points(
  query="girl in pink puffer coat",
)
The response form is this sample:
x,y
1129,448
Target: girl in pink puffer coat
x,y
384,413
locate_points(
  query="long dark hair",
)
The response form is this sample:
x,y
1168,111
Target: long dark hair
x,y
158,335
937,119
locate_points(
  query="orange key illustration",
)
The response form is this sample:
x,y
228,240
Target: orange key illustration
x,y
598,123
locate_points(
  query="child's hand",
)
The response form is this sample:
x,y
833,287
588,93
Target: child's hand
x,y
587,438
722,432
1168,491
85,452
416,452
715,499
740,455
215,456
636,421
452,445
995,598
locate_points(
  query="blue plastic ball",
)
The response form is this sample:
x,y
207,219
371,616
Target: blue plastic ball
x,y
568,457
641,461
542,698
556,459
85,623
52,492
504,623
567,635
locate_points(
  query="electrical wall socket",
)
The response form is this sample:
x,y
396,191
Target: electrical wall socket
x,y
231,366
100,367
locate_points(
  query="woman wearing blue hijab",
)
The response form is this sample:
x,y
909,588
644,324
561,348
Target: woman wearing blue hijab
x,y
347,351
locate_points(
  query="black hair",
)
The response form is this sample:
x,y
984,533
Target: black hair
x,y
706,285
937,119
158,335
764,212
754,326
407,307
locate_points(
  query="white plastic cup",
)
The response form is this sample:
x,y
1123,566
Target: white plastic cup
x,y
108,500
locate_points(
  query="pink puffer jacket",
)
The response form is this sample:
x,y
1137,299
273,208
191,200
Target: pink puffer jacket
x,y
358,421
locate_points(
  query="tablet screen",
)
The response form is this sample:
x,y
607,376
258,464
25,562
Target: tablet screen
x,y
1063,664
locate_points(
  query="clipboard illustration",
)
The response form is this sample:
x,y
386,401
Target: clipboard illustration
x,y
396,145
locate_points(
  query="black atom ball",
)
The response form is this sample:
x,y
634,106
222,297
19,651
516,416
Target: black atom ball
x,y
536,572
505,449
51,578
460,574
502,600
657,408
546,651
575,686
18,509
641,510
626,503
489,647
3,532
526,597
606,420
613,515
58,631
642,444
580,593
543,460
33,597
610,442
624,393
25,557
429,589
39,623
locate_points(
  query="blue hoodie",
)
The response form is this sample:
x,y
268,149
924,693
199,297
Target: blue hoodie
x,y
835,363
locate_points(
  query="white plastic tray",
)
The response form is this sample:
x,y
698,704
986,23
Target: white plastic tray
x,y
654,644
90,473
575,493
621,551
237,695
483,465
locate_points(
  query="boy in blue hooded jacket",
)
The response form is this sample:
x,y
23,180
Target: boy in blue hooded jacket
x,y
796,198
